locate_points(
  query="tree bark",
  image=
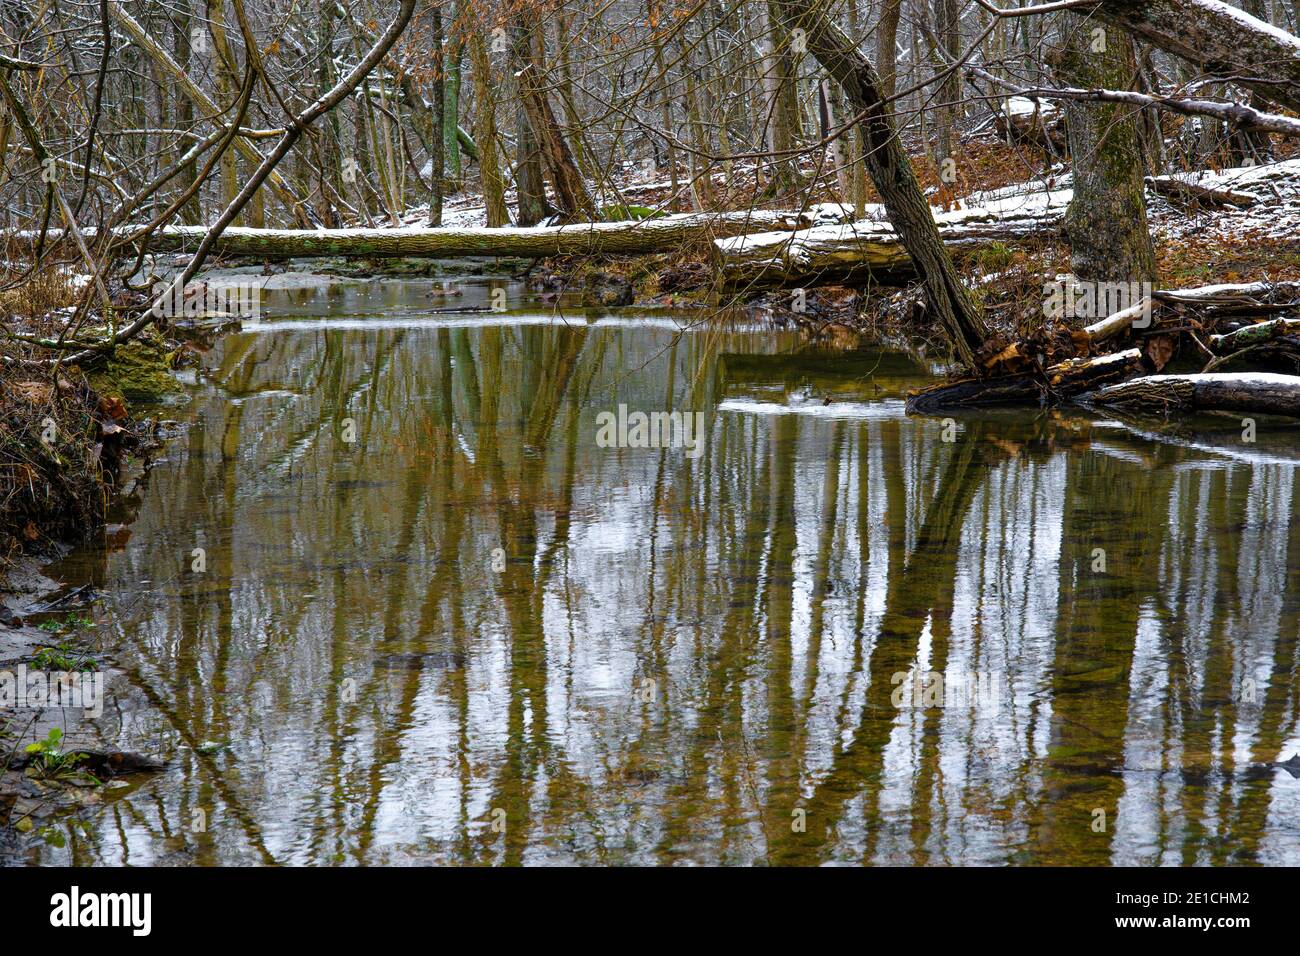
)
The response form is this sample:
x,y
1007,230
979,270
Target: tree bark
x,y
1263,392
1225,40
895,180
570,188
437,142
485,132
1106,224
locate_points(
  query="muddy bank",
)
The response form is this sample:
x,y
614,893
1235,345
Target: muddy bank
x,y
62,703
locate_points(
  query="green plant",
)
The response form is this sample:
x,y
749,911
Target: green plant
x,y
620,212
48,757
73,622
62,658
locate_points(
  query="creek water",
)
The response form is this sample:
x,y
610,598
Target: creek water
x,y
438,621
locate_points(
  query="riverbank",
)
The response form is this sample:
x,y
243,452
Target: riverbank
x,y
68,441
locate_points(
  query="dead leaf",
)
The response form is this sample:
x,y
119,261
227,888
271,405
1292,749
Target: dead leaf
x,y
30,532
1160,349
115,408
34,393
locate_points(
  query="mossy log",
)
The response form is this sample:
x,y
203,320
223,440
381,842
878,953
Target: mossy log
x,y
638,237
1253,336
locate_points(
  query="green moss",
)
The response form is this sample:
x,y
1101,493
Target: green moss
x,y
139,371
995,257
619,213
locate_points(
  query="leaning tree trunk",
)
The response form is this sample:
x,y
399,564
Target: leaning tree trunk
x,y
1106,224
895,180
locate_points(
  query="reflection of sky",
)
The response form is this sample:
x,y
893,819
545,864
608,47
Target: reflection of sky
x,y
759,636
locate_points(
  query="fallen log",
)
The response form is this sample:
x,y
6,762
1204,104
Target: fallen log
x,y
871,250
1262,392
1224,299
1194,194
1063,380
1039,122
636,237
1252,336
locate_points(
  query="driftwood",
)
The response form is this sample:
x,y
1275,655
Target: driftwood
x,y
1225,299
1063,380
1103,378
1253,336
1263,392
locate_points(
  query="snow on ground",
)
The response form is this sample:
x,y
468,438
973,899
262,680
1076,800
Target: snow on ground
x,y
1275,214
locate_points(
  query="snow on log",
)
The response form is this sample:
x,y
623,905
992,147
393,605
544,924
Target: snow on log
x,y
1032,120
871,249
1190,193
1254,336
1229,298
1263,392
1218,38
634,237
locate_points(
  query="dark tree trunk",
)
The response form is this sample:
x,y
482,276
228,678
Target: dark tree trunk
x,y
892,173
1106,223
529,183
570,189
437,147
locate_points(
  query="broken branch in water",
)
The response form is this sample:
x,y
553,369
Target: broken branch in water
x,y
1110,379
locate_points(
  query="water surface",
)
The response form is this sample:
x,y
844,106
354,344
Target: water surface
x,y
472,635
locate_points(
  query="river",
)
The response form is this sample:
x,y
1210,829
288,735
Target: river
x,y
438,621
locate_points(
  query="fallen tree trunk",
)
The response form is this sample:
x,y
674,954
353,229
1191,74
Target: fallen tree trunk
x,y
1253,336
859,251
1063,380
1234,298
602,238
1039,122
1193,194
1219,38
1263,392
1087,377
